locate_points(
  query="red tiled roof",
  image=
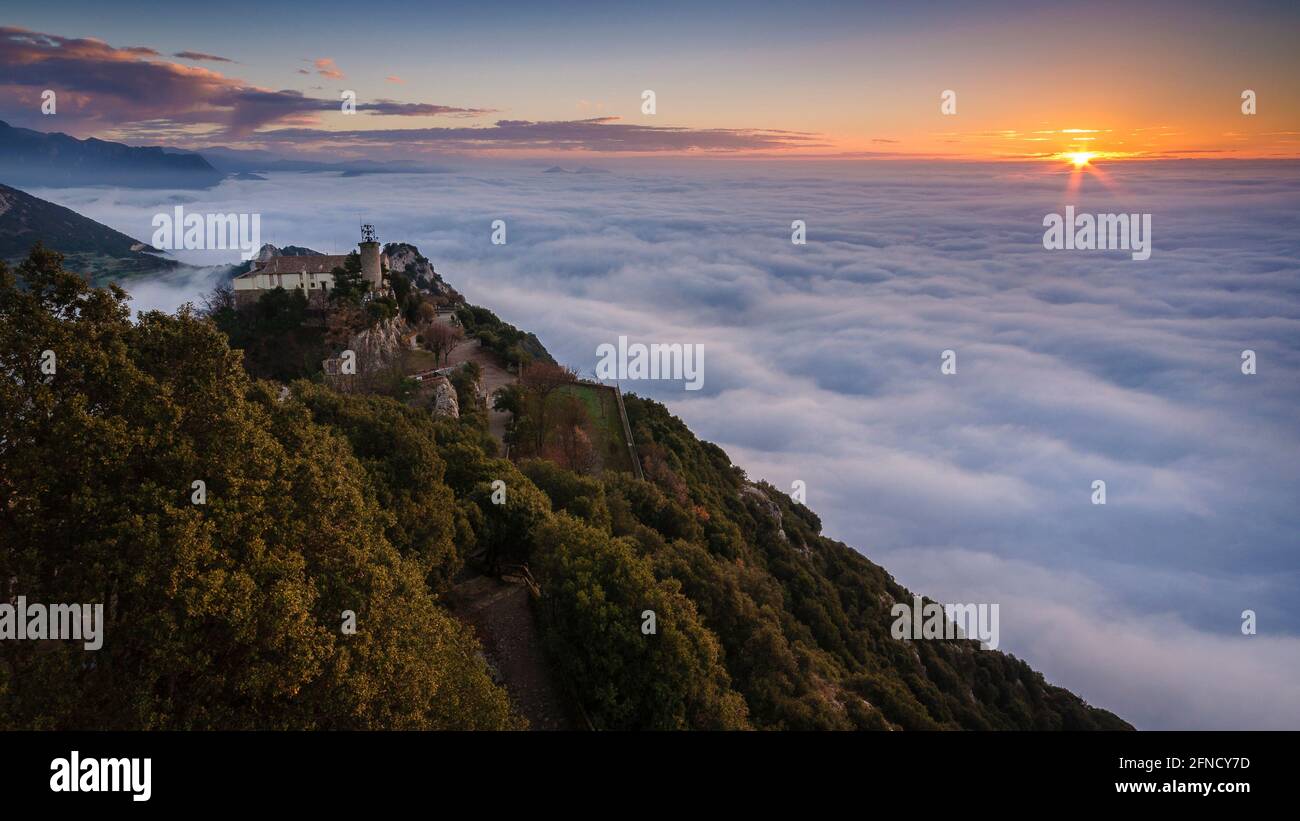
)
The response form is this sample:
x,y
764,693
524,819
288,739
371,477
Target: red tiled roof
x,y
315,264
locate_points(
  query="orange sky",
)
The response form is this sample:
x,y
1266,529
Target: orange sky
x,y
1032,80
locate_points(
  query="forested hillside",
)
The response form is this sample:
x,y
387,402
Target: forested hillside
x,y
227,614
90,247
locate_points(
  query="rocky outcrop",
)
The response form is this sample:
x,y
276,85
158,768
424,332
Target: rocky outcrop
x,y
380,344
406,259
444,398
769,507
267,253
772,509
373,349
479,392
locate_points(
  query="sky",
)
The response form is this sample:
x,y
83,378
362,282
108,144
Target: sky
x,y
822,361
1161,79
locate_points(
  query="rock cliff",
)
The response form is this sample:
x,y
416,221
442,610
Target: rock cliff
x,y
444,398
379,345
404,258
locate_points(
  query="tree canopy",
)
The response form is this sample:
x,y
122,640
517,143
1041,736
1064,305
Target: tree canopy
x,y
226,614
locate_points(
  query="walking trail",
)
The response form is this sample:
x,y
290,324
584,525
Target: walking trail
x,y
501,614
494,376
500,610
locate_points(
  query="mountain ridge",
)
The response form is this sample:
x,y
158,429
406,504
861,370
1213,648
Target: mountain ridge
x,y
57,160
89,246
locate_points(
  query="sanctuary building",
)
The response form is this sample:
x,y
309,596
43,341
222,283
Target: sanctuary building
x,y
311,273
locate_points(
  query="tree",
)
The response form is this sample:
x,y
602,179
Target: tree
x,y
582,497
519,435
596,592
379,309
342,323
466,379
572,437
516,348
539,381
225,614
425,313
401,286
276,340
441,338
397,447
349,285
219,300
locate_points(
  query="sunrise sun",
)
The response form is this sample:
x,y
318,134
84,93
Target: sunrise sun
x,y
1079,158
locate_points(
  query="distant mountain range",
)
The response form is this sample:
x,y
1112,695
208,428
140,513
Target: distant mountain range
x,y
52,160
238,162
586,169
33,158
90,247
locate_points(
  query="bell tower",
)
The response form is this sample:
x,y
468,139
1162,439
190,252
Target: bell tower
x,y
370,267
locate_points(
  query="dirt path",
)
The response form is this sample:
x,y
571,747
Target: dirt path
x,y
494,376
501,612
502,616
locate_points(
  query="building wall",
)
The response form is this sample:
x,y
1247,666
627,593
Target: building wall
x,y
315,299
250,287
370,265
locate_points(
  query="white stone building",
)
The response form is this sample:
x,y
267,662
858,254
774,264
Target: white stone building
x,y
313,273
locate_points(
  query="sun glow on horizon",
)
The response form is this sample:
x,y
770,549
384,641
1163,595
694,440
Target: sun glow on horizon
x,y
1079,158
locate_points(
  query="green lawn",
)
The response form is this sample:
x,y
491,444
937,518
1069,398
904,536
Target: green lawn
x,y
416,361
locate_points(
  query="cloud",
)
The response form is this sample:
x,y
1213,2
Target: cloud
x,y
198,55
325,67
189,105
166,292
134,95
393,78
392,108
137,97
1077,631
601,134
822,364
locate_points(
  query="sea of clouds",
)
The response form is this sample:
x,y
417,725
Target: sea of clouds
x,y
822,364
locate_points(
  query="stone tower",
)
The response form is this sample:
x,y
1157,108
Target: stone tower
x,y
370,265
